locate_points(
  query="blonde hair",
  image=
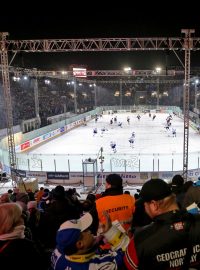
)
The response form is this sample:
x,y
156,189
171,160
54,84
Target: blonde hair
x,y
167,203
10,215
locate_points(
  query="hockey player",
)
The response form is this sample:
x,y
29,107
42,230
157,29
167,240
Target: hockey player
x,y
96,119
131,141
84,121
94,131
102,131
128,120
138,117
154,116
120,124
133,134
173,132
113,146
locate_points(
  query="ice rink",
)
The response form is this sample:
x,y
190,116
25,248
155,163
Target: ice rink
x,y
151,140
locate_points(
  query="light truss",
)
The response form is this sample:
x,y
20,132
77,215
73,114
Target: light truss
x,y
95,73
99,44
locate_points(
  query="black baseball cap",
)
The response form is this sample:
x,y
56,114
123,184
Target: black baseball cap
x,y
155,189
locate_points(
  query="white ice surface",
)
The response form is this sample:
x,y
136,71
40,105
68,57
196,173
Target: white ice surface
x,y
151,137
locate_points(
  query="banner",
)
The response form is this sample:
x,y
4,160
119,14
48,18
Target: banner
x,y
58,175
80,72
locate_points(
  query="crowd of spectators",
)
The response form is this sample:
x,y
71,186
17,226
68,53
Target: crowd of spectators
x,y
50,99
54,229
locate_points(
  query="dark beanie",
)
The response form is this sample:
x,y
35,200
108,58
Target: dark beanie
x,y
114,180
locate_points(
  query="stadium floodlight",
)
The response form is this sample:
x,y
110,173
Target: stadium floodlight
x,y
127,69
63,72
158,69
116,94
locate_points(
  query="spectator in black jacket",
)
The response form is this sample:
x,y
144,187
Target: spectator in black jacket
x,y
59,210
172,240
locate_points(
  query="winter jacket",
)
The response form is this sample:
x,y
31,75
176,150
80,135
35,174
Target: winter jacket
x,y
171,241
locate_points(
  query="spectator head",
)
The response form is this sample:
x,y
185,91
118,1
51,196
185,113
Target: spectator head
x,y
136,196
197,183
91,197
87,205
11,216
45,196
58,192
157,197
114,181
177,180
73,235
22,197
5,198
16,190
32,205
155,189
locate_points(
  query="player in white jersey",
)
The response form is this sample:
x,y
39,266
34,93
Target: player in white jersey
x,y
128,120
120,124
113,146
173,132
103,130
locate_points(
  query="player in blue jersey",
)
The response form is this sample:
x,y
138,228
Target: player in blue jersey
x,y
113,146
95,131
131,141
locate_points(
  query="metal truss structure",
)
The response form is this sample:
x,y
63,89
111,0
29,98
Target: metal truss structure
x,y
100,44
186,43
96,73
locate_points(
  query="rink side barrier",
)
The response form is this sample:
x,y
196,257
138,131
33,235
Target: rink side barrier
x,y
31,179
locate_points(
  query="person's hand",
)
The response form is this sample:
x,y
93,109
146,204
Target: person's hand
x,y
108,224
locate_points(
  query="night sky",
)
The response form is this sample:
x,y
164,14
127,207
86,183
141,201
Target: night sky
x,y
98,19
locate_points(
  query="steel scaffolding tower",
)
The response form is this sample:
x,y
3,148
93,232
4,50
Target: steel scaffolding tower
x,y
8,103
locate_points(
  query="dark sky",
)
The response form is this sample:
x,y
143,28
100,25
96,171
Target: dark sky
x,y
99,19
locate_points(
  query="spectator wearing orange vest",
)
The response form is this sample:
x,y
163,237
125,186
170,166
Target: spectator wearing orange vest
x,y
119,206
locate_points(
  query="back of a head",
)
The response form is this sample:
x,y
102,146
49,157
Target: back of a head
x,y
115,180
5,198
91,197
155,189
177,180
10,215
22,197
58,192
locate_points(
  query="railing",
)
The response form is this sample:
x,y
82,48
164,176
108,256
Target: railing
x,y
112,162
